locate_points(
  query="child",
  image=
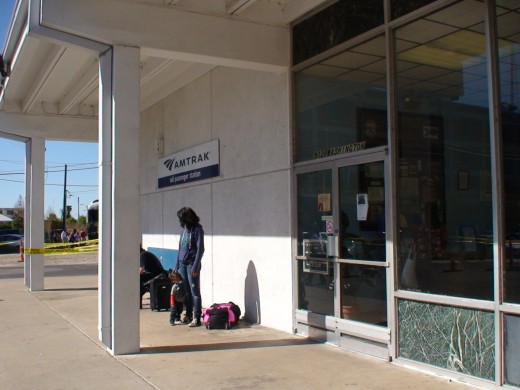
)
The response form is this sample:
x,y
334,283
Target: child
x,y
177,294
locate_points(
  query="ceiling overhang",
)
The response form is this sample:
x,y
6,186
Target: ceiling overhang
x,y
168,33
53,48
52,127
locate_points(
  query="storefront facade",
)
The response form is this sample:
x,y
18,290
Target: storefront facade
x,y
406,116
358,177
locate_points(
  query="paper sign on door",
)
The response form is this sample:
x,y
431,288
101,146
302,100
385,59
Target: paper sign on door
x,y
362,206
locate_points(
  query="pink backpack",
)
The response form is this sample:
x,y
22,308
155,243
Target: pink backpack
x,y
221,316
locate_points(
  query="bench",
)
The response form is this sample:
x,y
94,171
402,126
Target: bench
x,y
167,257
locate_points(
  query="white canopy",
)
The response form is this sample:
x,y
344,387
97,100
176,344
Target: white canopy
x,y
3,218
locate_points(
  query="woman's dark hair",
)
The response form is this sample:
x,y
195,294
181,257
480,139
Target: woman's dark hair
x,y
187,217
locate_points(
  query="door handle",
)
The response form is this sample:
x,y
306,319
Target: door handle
x,y
331,246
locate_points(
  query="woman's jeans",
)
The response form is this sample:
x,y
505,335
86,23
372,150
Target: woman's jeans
x,y
192,300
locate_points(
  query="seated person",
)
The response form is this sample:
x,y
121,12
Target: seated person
x,y
149,267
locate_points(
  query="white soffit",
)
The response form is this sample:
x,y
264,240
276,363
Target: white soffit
x,y
180,41
179,35
53,127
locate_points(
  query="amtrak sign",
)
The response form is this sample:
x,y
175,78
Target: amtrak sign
x,y
198,163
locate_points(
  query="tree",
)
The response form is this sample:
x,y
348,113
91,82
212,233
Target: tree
x,y
18,223
18,218
51,214
53,217
20,204
82,220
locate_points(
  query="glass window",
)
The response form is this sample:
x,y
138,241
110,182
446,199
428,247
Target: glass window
x,y
403,7
508,28
362,212
336,24
315,276
341,103
362,236
444,186
512,352
363,293
457,339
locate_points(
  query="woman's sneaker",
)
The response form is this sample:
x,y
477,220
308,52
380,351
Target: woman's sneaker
x,y
178,322
194,323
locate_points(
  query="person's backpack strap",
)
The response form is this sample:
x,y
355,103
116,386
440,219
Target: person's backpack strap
x,y
160,276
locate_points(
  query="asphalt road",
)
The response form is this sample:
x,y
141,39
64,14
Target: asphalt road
x,y
54,265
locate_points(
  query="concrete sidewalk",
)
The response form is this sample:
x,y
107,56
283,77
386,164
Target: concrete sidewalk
x,y
49,341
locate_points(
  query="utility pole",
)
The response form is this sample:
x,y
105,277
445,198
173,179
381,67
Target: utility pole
x,y
65,199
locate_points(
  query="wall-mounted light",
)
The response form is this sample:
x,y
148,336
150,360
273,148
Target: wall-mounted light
x,y
4,68
159,146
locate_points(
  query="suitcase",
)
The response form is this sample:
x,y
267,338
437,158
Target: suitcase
x,y
221,316
160,293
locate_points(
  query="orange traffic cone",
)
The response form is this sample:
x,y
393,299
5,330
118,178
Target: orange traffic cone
x,y
21,252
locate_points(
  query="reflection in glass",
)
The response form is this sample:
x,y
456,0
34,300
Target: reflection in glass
x,y
363,293
444,186
403,7
457,339
315,277
512,352
508,26
316,289
341,103
362,212
335,24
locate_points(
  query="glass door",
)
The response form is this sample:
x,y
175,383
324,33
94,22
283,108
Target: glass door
x,y
341,236
315,226
362,243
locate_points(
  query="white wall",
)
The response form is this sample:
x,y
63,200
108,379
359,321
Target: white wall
x,y
246,211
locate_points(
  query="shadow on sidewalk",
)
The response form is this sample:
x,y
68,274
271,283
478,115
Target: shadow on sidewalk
x,y
15,272
227,346
72,289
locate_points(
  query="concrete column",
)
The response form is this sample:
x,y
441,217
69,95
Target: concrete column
x,y
27,214
34,213
105,200
119,208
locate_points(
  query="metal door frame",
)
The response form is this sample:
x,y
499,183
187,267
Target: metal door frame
x,y
336,324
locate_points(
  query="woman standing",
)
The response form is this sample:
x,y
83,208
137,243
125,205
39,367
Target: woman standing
x,y
191,249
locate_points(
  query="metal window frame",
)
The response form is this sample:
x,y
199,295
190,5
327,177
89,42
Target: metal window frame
x,y
498,306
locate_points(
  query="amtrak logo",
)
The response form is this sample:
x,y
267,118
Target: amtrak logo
x,y
173,163
198,163
169,163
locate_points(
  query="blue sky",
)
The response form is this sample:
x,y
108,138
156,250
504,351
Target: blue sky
x,y
81,159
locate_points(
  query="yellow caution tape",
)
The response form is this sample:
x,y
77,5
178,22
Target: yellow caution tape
x,y
71,244
34,251
481,240
64,248
64,251
9,242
